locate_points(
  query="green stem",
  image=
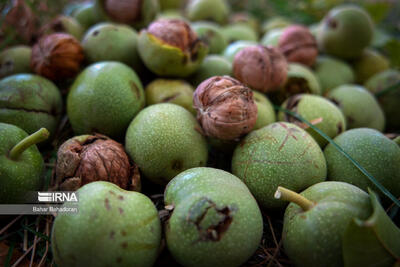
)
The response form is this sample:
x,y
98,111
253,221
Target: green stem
x,y
28,141
291,196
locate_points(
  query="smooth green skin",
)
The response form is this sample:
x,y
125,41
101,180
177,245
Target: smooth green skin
x,y
314,237
105,98
191,193
18,177
149,11
213,65
247,19
239,32
213,10
15,60
211,34
332,72
159,139
359,106
271,38
379,155
166,60
312,107
232,49
114,227
275,23
171,14
177,92
390,101
69,25
353,33
30,102
370,63
171,4
112,42
280,154
265,111
85,15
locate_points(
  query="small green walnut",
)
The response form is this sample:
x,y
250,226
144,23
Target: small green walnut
x,y
213,65
275,23
213,10
371,62
211,34
85,14
239,32
232,49
15,60
271,38
63,24
265,111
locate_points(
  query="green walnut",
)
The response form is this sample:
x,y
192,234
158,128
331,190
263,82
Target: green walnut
x,y
379,155
321,112
21,164
246,19
137,14
113,227
213,10
359,106
171,14
371,62
171,4
271,38
118,43
265,110
169,47
86,15
30,102
177,92
211,34
280,154
63,24
315,222
239,32
104,98
209,226
213,65
389,100
232,49
14,60
159,139
332,72
345,32
300,80
275,23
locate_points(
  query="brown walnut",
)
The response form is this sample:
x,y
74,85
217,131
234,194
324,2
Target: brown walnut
x,y
225,107
298,45
90,158
124,11
261,68
57,56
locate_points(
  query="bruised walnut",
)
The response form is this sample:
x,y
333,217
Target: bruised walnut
x,y
298,45
225,107
260,67
123,11
89,158
57,56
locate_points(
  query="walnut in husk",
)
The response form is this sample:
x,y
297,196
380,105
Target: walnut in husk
x,y
225,107
57,56
88,158
261,68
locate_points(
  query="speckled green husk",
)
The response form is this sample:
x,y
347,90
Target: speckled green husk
x,y
271,38
314,237
313,107
265,111
332,72
210,226
239,32
104,98
15,60
18,177
379,155
167,60
211,34
213,65
114,227
359,106
177,92
390,102
30,102
280,154
112,42
232,49
371,62
163,140
213,10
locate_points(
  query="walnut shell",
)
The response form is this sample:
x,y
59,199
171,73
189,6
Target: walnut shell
x,y
85,159
225,108
261,68
57,56
124,11
298,45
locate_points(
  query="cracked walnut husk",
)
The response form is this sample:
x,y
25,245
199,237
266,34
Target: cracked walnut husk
x,y
89,158
225,107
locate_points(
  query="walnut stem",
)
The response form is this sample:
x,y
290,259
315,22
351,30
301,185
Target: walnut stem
x,y
38,136
289,195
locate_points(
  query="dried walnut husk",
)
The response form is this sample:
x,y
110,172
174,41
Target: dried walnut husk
x,y
57,56
225,108
261,68
85,159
